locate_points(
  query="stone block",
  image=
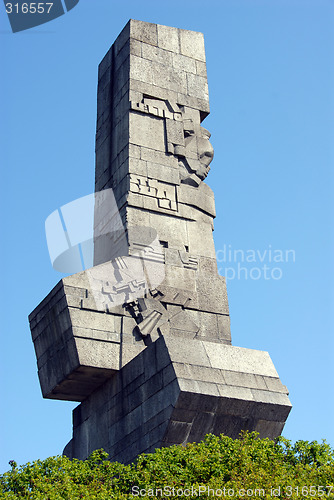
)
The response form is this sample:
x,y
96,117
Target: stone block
x,y
147,131
184,279
133,383
151,386
239,379
144,32
158,419
156,54
134,151
128,454
270,397
133,370
201,68
192,44
137,167
197,402
212,294
141,70
208,324
200,198
184,415
274,384
240,359
159,157
158,402
155,435
163,173
194,102
200,373
184,63
232,424
45,306
105,64
168,38
89,333
175,132
269,429
200,239
177,432
193,352
120,83
168,374
202,424
224,327
101,321
197,86
120,136
171,230
100,354
120,112
122,39
80,446
133,47
237,393
156,91
168,78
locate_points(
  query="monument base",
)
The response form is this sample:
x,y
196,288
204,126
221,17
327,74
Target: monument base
x,y
158,399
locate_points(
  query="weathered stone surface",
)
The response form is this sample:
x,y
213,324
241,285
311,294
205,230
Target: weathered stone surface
x,y
192,44
143,337
194,399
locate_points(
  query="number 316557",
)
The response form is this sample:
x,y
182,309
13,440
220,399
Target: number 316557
x,y
31,8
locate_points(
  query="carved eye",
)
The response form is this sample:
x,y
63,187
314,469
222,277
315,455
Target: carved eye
x,y
189,133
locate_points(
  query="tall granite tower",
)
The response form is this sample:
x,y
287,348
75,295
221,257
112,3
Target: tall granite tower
x,y
142,339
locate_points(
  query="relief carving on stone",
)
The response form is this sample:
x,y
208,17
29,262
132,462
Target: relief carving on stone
x,y
186,138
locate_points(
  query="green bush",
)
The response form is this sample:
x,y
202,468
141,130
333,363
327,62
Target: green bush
x,y
216,467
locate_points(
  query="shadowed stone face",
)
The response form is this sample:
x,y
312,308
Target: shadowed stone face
x,y
198,153
205,152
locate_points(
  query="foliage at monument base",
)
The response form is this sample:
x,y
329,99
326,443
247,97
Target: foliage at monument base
x,y
218,467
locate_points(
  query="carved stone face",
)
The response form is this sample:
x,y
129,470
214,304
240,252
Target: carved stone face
x,y
205,152
181,135
198,153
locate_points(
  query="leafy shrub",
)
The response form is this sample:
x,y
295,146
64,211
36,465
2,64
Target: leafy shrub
x,y
216,467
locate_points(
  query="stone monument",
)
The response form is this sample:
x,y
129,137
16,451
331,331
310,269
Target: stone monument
x,y
142,339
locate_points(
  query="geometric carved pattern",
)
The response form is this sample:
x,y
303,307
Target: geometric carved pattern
x,y
188,261
154,316
155,110
165,193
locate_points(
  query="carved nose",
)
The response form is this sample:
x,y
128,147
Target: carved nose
x,y
205,148
206,151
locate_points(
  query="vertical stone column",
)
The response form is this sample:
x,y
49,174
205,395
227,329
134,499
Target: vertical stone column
x,y
154,154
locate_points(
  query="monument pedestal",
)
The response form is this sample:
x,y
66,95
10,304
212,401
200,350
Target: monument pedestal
x,y
174,393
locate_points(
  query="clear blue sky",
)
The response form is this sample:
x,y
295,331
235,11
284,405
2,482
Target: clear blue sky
x,y
270,71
